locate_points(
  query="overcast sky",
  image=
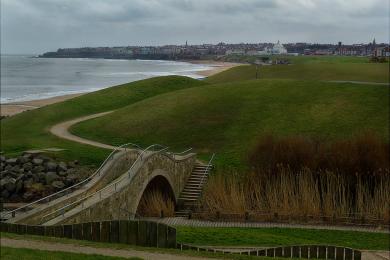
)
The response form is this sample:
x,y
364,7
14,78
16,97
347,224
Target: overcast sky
x,y
36,26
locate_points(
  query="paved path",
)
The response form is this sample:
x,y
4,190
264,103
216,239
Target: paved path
x,y
73,248
61,130
174,221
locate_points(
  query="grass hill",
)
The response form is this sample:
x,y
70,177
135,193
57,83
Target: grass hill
x,y
30,130
225,113
368,72
228,118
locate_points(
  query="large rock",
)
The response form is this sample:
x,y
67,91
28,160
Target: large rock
x,y
2,158
37,161
22,159
41,177
15,168
51,166
27,156
8,167
62,174
28,195
12,161
58,184
62,167
27,166
9,184
50,177
37,169
19,186
5,194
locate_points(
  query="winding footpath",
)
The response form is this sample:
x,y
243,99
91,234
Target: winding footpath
x,y
62,130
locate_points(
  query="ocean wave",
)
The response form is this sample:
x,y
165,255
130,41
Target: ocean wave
x,y
40,96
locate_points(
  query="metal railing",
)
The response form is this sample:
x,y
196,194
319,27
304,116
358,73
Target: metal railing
x,y
206,171
97,172
61,211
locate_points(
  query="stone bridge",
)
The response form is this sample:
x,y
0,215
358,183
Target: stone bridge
x,y
116,191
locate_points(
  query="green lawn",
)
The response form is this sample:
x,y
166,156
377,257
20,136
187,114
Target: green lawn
x,y
30,130
184,253
367,72
280,237
228,118
8,253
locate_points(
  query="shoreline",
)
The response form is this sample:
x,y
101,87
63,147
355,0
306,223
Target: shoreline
x,y
13,108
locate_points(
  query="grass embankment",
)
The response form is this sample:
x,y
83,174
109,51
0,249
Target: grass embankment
x,y
30,130
184,254
229,118
281,236
365,72
8,253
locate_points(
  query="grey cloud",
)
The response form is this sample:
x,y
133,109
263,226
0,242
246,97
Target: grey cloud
x,y
35,26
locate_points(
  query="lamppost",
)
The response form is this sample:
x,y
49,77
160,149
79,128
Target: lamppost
x,y
258,64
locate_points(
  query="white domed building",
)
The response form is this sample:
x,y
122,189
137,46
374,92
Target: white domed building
x,y
277,49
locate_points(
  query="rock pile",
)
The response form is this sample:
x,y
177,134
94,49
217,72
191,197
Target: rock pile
x,y
31,176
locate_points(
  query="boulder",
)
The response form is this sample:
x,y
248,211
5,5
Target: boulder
x,y
19,186
9,184
2,158
15,168
41,177
51,166
37,169
62,174
27,166
12,161
62,167
27,156
58,184
8,167
4,194
28,183
22,159
50,177
28,196
37,161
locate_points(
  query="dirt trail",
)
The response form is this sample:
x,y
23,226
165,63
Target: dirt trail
x,y
127,253
61,130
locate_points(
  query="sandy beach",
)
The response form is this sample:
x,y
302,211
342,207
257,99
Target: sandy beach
x,y
10,109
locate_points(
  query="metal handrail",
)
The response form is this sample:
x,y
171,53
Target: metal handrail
x,y
140,156
75,185
206,170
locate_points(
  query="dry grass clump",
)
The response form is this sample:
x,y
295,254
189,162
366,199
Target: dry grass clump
x,y
299,177
154,202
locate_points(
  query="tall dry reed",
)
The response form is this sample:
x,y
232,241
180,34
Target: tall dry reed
x,y
154,202
300,176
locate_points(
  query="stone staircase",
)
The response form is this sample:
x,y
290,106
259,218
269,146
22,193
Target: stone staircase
x,y
193,190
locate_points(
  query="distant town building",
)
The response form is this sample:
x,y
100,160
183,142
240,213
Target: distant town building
x,y
277,49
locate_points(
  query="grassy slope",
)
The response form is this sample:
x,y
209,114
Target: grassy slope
x,y
308,71
184,253
31,129
281,236
8,253
227,118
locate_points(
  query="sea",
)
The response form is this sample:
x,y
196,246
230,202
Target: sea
x,y
26,77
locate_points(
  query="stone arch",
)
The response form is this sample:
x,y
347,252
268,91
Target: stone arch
x,y
157,195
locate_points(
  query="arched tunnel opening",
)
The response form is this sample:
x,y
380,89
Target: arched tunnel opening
x,y
158,199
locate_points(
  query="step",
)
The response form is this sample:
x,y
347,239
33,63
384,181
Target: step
x,y
189,197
